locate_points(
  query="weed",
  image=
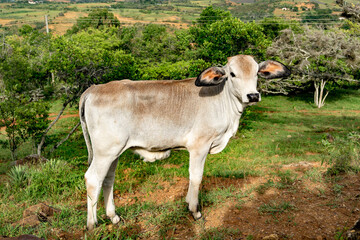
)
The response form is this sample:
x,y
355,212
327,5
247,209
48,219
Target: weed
x,y
287,179
19,177
314,175
216,196
345,158
275,208
220,234
337,188
261,189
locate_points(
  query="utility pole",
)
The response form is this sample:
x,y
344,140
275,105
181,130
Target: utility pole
x,y
47,32
47,24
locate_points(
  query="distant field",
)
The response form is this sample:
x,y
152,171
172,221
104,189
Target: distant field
x,y
62,15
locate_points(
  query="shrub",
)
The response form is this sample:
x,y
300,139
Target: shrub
x,y
344,154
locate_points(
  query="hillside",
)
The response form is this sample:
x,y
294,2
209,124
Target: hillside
x,y
178,14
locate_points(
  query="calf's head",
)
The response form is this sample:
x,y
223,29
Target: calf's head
x,y
242,73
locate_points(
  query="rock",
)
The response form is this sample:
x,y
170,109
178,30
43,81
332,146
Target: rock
x,y
29,221
271,237
36,214
40,209
22,237
354,232
31,159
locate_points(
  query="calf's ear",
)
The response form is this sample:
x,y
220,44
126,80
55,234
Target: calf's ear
x,y
273,69
210,77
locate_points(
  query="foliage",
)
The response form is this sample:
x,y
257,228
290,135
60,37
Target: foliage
x,y
210,15
47,180
22,61
151,43
319,17
352,11
89,57
168,71
18,176
315,55
345,158
272,26
98,19
228,37
23,120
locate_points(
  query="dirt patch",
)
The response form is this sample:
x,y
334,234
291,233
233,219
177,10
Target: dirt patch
x,y
164,192
316,210
4,22
61,24
171,21
53,116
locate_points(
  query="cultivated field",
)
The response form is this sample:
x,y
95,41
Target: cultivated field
x,y
275,178
62,15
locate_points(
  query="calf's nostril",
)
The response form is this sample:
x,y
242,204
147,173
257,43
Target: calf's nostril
x,y
253,97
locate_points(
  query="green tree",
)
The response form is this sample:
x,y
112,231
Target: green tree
x,y
210,15
23,120
88,57
98,18
229,37
24,75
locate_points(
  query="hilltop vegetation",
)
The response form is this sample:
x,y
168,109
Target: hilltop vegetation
x,y
178,13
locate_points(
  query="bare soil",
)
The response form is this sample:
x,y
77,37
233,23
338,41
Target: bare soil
x,y
318,211
62,23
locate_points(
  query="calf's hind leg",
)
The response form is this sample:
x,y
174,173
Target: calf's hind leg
x,y
94,178
108,187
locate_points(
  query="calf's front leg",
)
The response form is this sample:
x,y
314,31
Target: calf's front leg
x,y
196,169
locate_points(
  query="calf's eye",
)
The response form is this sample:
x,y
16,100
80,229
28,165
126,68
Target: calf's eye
x,y
232,74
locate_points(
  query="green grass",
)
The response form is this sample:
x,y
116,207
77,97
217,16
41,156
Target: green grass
x,y
279,130
274,208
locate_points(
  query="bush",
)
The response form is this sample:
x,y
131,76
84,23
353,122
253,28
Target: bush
x,y
344,154
53,178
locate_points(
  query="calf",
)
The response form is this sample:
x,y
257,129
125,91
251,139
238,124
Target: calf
x,y
153,117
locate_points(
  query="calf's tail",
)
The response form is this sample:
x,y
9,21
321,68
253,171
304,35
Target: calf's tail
x,y
84,126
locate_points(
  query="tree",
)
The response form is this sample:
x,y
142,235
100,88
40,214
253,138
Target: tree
x,y
329,59
23,71
98,19
80,60
23,119
229,37
351,11
210,15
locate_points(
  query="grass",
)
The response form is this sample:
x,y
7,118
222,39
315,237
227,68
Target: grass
x,y
278,131
275,207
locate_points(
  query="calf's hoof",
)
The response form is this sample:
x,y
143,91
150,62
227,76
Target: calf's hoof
x,y
197,215
115,219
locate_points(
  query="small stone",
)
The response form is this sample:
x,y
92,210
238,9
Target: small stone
x,y
271,237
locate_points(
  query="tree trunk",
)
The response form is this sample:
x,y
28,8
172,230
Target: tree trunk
x,y
319,98
42,141
66,138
